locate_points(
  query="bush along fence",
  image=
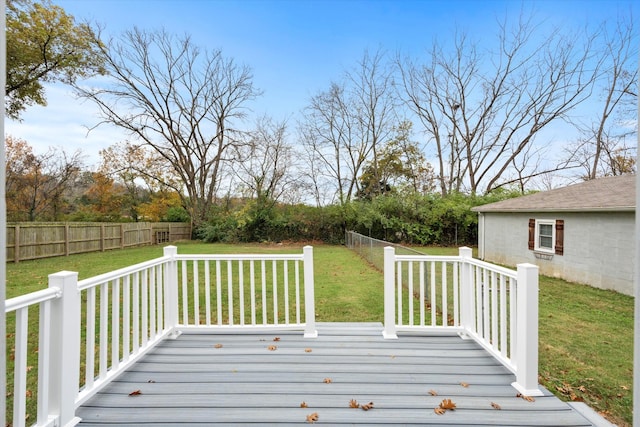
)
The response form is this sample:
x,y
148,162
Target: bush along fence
x,y
26,240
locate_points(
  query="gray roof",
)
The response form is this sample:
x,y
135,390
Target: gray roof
x,y
616,193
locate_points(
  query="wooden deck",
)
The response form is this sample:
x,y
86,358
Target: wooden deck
x,y
236,379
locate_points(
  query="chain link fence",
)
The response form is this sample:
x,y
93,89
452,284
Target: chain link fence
x,y
373,249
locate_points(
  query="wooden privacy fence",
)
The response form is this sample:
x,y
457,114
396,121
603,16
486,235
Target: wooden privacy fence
x,y
28,240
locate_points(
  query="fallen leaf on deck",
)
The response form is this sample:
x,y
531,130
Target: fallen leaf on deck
x,y
272,348
304,405
353,404
527,398
307,350
433,392
494,405
217,346
367,406
135,393
463,384
447,404
276,339
312,418
439,411
327,380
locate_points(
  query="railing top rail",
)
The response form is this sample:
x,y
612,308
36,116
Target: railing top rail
x,y
96,280
492,267
441,258
32,298
239,257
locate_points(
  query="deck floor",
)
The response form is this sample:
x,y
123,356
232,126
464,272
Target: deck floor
x,y
235,379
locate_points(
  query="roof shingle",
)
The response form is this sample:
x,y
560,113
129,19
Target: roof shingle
x,y
616,193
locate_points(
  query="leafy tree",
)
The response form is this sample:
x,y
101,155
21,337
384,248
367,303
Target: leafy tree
x,y
400,165
36,184
162,206
103,201
44,44
145,175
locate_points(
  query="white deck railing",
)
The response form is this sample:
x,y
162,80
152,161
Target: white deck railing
x,y
124,313
495,306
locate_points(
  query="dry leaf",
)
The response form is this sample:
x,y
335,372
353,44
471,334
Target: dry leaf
x,y
304,405
135,393
463,384
433,392
439,411
307,350
28,393
276,339
353,404
272,348
527,398
447,404
494,405
217,346
327,380
312,418
367,406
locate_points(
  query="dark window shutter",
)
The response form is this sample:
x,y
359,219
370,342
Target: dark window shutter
x,y
559,237
532,234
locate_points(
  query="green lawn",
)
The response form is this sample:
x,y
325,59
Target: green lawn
x,y
586,334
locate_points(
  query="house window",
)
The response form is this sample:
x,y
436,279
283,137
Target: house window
x,y
546,235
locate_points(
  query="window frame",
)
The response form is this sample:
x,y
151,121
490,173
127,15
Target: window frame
x,y
537,247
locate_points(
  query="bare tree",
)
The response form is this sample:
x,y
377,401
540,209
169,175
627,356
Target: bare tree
x,y
266,163
343,127
178,100
482,109
604,147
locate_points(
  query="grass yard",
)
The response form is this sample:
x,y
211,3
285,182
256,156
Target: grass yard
x,y
586,334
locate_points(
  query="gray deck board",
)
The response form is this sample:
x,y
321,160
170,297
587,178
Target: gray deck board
x,y
188,381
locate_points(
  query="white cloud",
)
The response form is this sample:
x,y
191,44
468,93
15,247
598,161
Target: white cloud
x,y
64,122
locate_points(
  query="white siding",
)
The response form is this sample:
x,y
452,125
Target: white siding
x,y
599,248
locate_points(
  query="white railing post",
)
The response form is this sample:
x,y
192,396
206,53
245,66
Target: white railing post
x,y
64,361
466,291
171,290
526,358
389,331
309,294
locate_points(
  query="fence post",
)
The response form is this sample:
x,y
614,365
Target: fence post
x,y
389,331
466,292
16,244
64,361
171,290
309,294
526,358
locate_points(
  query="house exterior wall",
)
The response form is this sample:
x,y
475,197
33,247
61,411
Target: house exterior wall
x,y
599,247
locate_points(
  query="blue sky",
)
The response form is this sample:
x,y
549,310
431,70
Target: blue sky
x,y
295,48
